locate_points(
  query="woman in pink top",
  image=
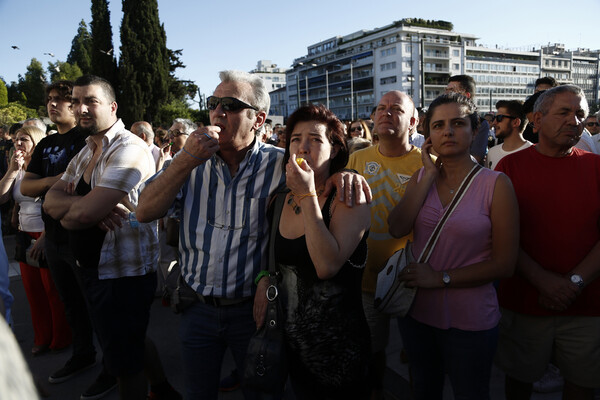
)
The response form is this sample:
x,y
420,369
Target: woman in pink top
x,y
452,326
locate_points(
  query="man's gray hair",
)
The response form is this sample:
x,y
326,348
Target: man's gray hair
x,y
35,122
260,94
188,125
546,99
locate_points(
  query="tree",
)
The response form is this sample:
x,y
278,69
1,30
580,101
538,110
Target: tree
x,y
13,92
103,59
15,112
144,61
169,111
63,71
33,85
3,93
81,49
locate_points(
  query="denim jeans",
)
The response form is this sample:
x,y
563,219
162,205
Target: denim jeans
x,y
466,356
206,332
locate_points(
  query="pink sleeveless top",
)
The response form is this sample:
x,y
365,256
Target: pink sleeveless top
x,y
466,239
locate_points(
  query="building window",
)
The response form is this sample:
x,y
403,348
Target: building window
x,y
388,52
408,48
456,67
388,66
456,53
388,80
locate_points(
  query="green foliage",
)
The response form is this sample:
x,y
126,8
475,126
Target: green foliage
x,y
200,115
104,63
14,112
63,71
13,91
33,85
3,93
445,25
81,49
144,62
168,112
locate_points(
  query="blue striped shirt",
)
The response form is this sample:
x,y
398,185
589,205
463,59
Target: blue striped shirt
x,y
224,230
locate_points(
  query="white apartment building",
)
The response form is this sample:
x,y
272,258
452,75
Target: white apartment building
x,y
273,76
350,73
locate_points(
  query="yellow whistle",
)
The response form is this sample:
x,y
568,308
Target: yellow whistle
x,y
299,160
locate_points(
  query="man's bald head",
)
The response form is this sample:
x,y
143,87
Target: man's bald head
x,y
143,130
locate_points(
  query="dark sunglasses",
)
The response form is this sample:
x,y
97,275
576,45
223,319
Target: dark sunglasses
x,y
592,124
228,103
500,117
356,128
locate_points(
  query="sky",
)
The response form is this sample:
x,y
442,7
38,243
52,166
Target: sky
x,y
236,34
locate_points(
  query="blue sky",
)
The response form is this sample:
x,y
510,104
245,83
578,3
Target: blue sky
x,y
236,34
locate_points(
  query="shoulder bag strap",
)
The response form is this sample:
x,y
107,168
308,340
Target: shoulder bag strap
x,y
278,208
460,193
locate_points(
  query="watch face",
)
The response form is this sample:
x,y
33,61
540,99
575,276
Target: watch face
x,y
576,279
446,278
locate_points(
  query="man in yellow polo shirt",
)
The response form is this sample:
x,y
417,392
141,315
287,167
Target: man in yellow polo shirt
x,y
387,167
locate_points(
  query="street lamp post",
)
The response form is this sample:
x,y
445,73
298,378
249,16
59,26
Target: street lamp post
x,y
327,86
351,92
305,79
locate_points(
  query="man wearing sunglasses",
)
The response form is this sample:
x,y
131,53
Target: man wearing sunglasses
x,y
592,124
222,181
509,124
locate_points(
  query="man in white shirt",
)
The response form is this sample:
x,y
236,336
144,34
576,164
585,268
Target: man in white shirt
x,y
509,123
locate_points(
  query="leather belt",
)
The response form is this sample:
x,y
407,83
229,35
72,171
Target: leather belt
x,y
221,301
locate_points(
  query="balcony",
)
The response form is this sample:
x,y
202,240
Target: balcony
x,y
435,56
440,70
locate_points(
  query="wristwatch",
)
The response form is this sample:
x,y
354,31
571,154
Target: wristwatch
x,y
446,279
578,280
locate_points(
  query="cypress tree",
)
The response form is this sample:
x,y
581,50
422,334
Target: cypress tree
x,y
33,85
81,49
103,55
143,63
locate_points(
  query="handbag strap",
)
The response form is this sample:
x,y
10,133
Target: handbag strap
x,y
278,208
460,193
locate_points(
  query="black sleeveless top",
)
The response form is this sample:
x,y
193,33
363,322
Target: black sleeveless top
x,y
326,331
86,243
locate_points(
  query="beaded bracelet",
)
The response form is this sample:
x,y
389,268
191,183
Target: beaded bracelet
x,y
260,275
190,154
312,193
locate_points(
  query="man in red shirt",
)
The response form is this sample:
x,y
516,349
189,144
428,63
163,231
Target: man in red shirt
x,y
551,306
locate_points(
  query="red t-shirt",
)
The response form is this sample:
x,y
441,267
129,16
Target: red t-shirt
x,y
559,206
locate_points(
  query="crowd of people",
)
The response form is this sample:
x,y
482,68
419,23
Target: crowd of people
x,y
512,279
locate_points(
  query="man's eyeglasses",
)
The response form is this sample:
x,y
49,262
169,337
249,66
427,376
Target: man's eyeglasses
x,y
500,117
175,133
356,128
592,124
228,103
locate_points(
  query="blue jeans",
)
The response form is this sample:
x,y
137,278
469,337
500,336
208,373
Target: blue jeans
x,y
206,332
466,356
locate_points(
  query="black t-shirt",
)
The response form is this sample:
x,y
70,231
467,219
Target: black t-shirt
x,y
5,146
50,158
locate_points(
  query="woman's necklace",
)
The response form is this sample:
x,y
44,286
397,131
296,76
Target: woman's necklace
x,y
295,206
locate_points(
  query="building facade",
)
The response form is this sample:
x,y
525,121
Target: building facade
x,y
350,73
271,74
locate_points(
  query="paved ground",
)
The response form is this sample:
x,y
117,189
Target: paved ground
x,y
163,330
